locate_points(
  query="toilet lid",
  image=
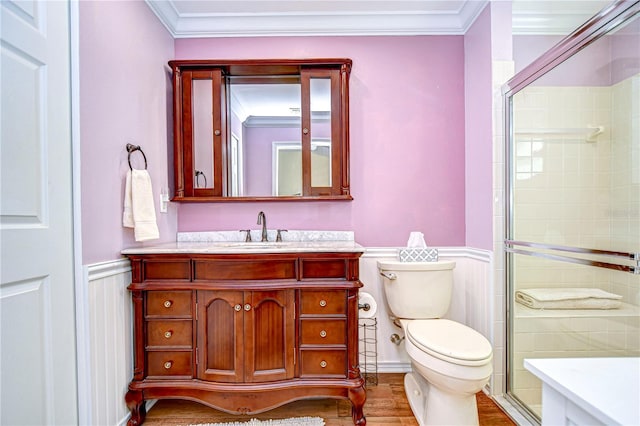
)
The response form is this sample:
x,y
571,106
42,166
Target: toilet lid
x,y
449,340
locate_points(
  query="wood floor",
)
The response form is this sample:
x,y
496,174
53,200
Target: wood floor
x,y
386,405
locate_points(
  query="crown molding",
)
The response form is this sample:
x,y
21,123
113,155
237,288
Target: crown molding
x,y
282,121
549,17
315,23
548,24
529,18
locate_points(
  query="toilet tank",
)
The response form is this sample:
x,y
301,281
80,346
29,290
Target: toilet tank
x,y
417,290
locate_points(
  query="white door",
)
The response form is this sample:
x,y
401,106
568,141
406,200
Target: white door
x,y
37,335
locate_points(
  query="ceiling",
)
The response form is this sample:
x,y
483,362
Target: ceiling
x,y
242,18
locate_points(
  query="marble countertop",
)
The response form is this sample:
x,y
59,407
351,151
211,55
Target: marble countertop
x,y
606,388
240,247
230,242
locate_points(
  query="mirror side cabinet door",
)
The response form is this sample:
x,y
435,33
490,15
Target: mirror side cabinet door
x,y
322,136
199,132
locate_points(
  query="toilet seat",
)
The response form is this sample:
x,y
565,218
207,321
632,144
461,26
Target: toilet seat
x,y
449,341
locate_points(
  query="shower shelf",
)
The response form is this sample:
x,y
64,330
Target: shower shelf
x,y
590,133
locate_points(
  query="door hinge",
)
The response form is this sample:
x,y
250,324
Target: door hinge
x,y
196,356
294,356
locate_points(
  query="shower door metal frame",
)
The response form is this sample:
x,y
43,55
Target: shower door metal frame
x,y
615,14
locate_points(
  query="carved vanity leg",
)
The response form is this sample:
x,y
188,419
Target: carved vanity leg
x,y
136,405
358,396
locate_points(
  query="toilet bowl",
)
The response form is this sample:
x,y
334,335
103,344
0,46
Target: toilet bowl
x,y
450,362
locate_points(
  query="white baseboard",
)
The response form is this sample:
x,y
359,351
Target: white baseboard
x,y
394,367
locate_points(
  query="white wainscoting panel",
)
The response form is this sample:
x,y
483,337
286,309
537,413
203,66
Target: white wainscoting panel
x,y
107,344
472,301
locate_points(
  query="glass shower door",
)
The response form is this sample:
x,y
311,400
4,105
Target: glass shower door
x,y
573,222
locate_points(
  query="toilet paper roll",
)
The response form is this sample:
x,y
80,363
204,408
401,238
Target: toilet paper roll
x,y
367,299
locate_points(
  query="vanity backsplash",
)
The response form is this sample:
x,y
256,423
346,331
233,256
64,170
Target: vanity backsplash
x,y
290,235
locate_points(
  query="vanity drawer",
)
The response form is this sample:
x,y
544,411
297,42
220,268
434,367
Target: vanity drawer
x,y
169,303
254,269
170,333
166,270
323,332
169,363
333,302
323,363
324,268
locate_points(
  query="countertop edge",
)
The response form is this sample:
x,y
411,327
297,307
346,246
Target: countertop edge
x,y
226,248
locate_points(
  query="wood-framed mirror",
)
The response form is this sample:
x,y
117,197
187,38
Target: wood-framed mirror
x,y
250,130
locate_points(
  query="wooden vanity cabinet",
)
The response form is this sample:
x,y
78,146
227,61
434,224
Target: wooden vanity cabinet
x,y
245,333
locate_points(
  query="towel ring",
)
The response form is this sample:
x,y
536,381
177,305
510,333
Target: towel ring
x,y
198,174
130,149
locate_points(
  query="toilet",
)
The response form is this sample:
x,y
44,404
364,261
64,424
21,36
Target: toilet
x,y
450,362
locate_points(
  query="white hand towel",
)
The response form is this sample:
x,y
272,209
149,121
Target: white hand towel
x,y
139,206
127,215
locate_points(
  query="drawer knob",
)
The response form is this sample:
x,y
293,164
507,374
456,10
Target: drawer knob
x,y
323,303
168,364
168,334
168,303
247,307
238,307
323,364
323,334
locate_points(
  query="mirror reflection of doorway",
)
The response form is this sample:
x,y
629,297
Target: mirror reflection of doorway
x,y
287,166
237,167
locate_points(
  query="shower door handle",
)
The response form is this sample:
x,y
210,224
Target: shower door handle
x,y
529,250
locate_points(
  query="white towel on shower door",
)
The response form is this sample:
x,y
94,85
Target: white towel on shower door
x,y
139,208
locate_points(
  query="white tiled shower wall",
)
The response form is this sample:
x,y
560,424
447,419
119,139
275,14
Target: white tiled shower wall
x,y
575,192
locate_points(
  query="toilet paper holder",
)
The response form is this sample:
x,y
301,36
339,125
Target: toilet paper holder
x,y
367,305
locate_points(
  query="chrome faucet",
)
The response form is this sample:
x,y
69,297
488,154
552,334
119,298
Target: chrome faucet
x,y
262,220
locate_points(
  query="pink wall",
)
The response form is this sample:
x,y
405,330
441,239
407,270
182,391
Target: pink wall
x,y
124,97
407,140
624,52
258,156
478,133
578,70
